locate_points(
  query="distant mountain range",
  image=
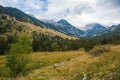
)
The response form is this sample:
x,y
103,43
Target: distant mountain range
x,y
99,30
113,30
62,26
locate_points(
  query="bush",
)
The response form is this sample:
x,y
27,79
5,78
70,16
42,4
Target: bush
x,y
17,64
17,59
99,50
88,46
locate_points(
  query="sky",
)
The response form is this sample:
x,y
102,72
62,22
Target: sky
x,y
78,12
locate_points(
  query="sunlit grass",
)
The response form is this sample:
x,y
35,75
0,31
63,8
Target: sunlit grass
x,y
71,65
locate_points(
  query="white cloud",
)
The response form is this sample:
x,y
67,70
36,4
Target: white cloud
x,y
78,12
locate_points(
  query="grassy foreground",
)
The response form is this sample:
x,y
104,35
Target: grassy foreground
x,y
71,65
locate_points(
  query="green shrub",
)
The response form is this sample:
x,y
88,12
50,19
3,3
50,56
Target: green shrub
x,y
17,64
17,60
99,50
88,46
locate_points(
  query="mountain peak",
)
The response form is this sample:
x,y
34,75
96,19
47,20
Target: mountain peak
x,y
93,29
1,6
98,26
63,21
93,26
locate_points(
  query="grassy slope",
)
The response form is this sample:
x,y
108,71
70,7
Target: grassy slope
x,y
47,31
70,63
29,27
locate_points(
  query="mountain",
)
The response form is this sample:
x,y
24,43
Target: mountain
x,y
65,27
62,26
12,21
94,29
20,16
9,25
113,30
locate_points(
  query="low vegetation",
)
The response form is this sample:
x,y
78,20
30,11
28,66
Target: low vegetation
x,y
98,50
71,65
17,59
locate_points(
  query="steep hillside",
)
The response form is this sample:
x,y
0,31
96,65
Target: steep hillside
x,y
9,25
21,16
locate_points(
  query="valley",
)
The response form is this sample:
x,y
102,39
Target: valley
x,y
32,48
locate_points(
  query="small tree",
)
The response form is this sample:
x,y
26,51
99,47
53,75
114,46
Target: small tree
x,y
55,46
88,46
17,59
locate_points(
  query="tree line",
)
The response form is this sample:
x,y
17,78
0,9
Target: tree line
x,y
45,43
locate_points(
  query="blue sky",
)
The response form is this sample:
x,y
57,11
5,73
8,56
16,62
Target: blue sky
x,y
77,12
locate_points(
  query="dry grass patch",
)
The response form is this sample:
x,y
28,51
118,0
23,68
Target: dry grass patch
x,y
74,65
